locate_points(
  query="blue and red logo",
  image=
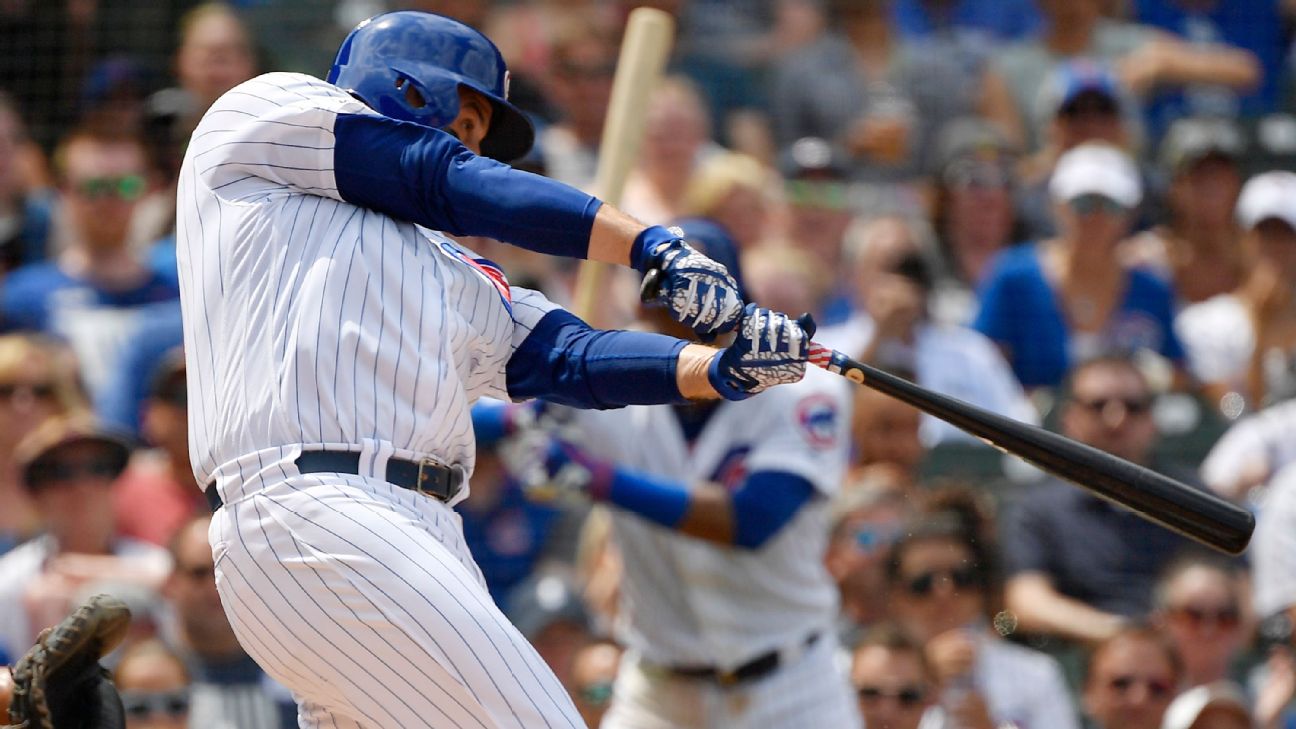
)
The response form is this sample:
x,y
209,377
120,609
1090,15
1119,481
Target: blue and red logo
x,y
731,471
493,273
817,415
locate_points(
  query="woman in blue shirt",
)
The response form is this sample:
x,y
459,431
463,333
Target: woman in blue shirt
x,y
1066,299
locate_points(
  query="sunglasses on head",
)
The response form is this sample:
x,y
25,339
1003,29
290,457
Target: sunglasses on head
x,y
961,578
1226,618
907,696
123,187
141,704
596,694
1133,406
1156,687
28,391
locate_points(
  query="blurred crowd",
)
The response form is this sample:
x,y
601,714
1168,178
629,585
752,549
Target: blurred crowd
x,y
1076,213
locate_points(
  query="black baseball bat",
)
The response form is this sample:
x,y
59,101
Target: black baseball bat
x,y
1192,512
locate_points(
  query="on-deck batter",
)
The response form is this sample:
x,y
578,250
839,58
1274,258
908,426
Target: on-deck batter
x,y
335,342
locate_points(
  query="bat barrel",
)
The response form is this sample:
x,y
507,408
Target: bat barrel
x,y
1192,512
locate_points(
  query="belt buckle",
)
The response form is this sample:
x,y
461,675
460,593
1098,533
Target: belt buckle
x,y
426,467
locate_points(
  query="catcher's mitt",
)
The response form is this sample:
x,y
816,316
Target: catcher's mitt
x,y
59,684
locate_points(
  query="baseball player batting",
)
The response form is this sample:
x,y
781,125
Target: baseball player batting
x,y
335,342
721,521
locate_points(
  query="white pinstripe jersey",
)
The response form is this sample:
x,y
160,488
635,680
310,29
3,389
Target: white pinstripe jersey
x,y
689,602
311,321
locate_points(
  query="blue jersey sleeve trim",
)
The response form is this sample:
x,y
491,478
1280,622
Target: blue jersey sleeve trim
x,y
765,503
426,176
658,500
565,361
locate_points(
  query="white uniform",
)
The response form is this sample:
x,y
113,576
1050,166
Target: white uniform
x,y
311,323
687,602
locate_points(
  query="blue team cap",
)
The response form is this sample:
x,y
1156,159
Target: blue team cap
x,y
1078,78
712,240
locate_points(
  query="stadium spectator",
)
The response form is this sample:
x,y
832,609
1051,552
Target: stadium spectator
x,y
782,277
594,671
974,216
818,194
735,190
866,521
68,466
216,54
1251,451
1078,567
1082,101
893,682
579,84
677,129
1199,250
1144,58
92,292
1131,679
229,689
38,381
1003,21
155,691
886,448
1245,341
892,328
941,578
1258,27
25,213
1065,299
1198,603
157,492
882,99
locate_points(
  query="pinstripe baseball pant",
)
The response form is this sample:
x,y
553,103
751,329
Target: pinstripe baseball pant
x,y
363,599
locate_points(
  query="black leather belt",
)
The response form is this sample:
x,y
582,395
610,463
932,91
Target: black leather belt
x,y
427,477
758,667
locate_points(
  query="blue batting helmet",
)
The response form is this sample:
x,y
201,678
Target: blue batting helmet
x,y
437,55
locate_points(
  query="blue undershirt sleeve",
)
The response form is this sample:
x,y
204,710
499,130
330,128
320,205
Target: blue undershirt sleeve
x,y
426,176
564,360
765,503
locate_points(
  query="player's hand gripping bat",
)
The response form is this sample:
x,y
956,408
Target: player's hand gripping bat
x,y
1192,512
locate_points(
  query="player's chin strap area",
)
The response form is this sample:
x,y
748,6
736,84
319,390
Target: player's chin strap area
x,y
427,477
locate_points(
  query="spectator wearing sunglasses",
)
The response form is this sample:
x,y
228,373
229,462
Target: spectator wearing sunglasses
x,y
593,673
154,687
69,465
1078,567
228,689
893,681
1244,342
1197,603
941,582
91,293
38,381
1068,298
866,519
157,493
1132,677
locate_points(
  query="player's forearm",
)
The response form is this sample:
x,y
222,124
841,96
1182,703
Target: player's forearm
x,y
613,235
691,372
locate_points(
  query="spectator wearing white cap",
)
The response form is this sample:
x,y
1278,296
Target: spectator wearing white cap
x,y
1243,343
1066,299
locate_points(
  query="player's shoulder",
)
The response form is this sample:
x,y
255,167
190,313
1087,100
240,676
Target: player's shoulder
x,y
284,87
276,94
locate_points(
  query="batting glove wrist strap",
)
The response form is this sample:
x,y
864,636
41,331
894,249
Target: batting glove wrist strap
x,y
700,293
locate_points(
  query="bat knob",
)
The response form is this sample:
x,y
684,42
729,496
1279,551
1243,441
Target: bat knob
x,y
807,324
651,286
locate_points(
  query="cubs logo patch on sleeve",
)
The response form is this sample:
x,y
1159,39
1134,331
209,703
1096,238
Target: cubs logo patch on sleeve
x,y
817,417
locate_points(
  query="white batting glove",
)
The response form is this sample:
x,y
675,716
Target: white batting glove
x,y
699,292
771,349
